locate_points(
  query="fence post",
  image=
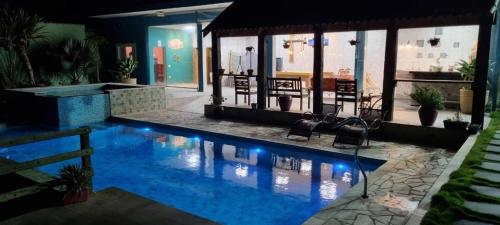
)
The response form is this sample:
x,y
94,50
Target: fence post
x,y
86,162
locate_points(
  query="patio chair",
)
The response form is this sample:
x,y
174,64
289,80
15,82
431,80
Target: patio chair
x,y
311,123
346,91
372,114
242,87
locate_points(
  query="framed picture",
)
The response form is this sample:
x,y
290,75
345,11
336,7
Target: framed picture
x,y
438,31
420,43
456,44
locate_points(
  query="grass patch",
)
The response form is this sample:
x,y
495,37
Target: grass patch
x,y
447,205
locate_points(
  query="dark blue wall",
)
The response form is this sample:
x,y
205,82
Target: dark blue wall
x,y
135,30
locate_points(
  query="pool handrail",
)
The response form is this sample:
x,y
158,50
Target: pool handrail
x,y
364,125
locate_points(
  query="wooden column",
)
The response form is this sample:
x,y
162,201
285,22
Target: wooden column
x,y
482,64
199,39
216,77
359,61
391,55
318,72
261,72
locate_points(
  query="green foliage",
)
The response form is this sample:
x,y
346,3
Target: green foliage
x,y
428,97
12,72
125,68
17,29
467,69
447,206
74,178
74,59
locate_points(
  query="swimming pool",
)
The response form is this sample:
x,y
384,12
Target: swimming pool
x,y
225,180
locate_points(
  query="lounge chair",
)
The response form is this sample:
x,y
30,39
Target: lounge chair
x,y
354,133
312,123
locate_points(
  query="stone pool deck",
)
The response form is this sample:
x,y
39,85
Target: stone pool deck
x,y
396,189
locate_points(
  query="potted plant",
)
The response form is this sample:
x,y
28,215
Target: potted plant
x,y
221,72
456,123
75,182
434,41
430,100
250,72
467,71
125,69
285,102
353,42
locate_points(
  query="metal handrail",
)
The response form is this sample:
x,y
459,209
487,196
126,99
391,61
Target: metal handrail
x,y
363,123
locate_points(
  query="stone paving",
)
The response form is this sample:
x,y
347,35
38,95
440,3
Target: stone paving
x,y
395,189
489,170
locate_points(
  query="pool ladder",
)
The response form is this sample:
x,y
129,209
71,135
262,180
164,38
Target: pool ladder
x,y
357,120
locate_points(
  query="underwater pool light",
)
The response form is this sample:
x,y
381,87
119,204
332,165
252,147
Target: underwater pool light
x,y
258,150
146,129
196,138
340,166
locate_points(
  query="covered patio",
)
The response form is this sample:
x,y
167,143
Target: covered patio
x,y
240,20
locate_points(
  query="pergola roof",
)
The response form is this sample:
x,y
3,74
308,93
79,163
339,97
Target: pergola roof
x,y
252,17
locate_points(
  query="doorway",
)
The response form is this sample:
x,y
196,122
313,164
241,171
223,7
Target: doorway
x,y
160,72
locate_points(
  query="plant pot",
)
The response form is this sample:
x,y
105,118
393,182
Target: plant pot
x,y
474,128
427,115
76,197
285,102
242,73
466,97
221,71
455,125
129,81
254,106
250,72
434,42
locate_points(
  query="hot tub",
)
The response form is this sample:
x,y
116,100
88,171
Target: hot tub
x,y
72,106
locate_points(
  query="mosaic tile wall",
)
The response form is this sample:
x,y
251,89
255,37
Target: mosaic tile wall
x,y
81,110
137,100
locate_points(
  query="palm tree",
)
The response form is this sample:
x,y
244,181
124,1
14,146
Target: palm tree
x,y
73,58
17,29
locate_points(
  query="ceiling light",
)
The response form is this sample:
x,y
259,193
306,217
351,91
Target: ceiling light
x,y
189,27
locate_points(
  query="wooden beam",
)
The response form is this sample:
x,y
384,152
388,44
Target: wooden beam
x,y
318,72
359,59
216,77
391,55
482,66
261,72
27,191
13,168
43,137
199,41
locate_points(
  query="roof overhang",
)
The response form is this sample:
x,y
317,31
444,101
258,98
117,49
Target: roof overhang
x,y
169,11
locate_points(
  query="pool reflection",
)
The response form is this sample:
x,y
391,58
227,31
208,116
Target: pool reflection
x,y
313,177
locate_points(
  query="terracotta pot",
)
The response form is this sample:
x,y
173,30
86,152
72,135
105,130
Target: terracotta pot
x,y
427,115
285,102
77,197
129,81
466,97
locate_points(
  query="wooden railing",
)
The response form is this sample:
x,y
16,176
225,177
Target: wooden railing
x,y
84,153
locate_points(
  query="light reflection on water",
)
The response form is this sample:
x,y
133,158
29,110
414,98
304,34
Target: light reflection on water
x,y
227,181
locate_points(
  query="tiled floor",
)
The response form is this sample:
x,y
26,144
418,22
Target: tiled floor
x,y
395,189
189,100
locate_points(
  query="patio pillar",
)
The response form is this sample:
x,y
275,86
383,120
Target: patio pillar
x,y
359,61
318,72
216,77
391,55
199,36
482,66
262,72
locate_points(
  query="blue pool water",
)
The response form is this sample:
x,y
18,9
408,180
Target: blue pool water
x,y
227,181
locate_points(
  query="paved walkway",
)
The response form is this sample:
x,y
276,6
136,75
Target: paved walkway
x,y
489,170
112,206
